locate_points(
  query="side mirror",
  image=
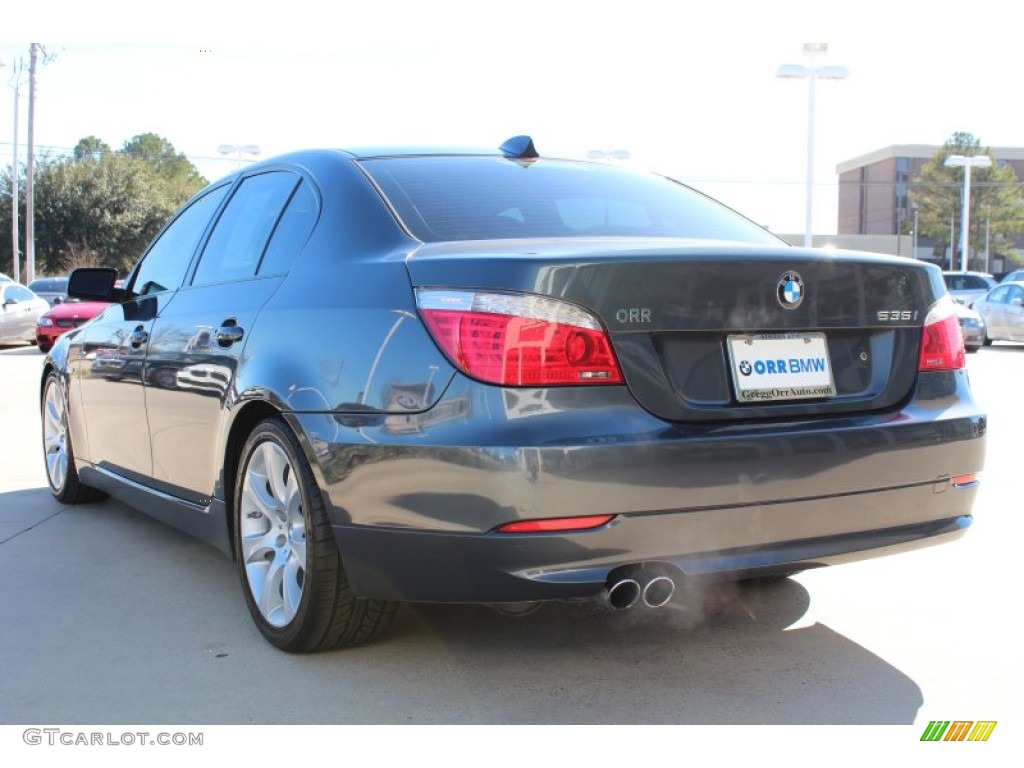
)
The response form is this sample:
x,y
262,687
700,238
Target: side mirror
x,y
94,284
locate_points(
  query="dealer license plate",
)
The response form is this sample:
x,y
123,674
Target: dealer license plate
x,y
780,366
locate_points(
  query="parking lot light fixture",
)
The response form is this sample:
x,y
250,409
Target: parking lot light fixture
x,y
238,150
968,162
811,73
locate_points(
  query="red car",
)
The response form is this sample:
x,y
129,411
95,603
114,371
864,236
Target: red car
x,y
62,318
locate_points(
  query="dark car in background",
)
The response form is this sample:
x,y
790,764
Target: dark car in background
x,y
53,289
485,376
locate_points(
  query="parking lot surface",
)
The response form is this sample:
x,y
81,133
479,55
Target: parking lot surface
x,y
110,617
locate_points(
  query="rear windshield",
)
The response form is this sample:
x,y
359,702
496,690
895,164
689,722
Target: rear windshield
x,y
487,198
966,283
55,284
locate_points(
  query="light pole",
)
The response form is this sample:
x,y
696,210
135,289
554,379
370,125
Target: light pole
x,y
237,150
811,73
610,155
975,161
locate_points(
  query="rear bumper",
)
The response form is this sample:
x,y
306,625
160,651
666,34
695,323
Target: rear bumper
x,y
414,499
408,565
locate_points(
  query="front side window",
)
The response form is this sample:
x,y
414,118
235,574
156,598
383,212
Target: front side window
x,y
236,246
483,198
165,263
999,295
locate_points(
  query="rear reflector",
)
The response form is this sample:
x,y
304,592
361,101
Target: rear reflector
x,y
961,480
555,524
942,341
519,339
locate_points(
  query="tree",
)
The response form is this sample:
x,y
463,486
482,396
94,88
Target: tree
x,y
181,177
996,201
102,207
90,148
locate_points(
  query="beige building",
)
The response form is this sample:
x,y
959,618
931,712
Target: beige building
x,y
873,190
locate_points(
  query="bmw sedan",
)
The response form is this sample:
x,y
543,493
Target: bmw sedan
x,y
64,316
387,375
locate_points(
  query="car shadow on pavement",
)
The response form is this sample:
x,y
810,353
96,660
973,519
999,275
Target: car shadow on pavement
x,y
111,617
717,656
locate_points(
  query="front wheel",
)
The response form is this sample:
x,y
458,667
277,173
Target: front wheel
x,y
288,562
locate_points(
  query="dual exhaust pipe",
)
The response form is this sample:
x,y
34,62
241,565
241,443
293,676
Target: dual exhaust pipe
x,y
628,587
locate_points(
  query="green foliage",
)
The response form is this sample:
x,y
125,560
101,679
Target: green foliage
x,y
91,148
180,176
996,198
98,206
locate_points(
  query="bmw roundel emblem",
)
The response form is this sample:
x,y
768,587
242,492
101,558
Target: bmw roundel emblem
x,y
790,290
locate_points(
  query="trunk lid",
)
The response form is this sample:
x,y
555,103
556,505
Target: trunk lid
x,y
683,315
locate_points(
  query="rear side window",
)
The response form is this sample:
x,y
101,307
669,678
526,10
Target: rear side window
x,y
484,198
164,265
236,246
19,294
291,232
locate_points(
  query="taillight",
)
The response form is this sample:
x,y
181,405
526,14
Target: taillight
x,y
942,341
519,339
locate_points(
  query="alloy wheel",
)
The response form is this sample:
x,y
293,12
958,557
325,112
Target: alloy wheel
x,y
55,435
272,531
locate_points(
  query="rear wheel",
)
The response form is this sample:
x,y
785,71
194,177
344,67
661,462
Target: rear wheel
x,y
57,451
288,562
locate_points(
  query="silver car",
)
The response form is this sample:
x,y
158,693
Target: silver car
x,y
19,313
972,327
1002,311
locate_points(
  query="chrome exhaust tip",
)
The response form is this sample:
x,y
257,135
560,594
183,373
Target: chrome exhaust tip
x,y
623,594
658,591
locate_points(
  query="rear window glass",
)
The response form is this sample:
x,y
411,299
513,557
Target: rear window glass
x,y
966,283
487,198
49,285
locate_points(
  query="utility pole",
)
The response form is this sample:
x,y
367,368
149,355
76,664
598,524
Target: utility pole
x,y
15,180
30,222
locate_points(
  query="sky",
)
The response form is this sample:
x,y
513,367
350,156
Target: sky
x,y
689,91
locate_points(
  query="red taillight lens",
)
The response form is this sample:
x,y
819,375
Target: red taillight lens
x,y
519,340
552,524
942,341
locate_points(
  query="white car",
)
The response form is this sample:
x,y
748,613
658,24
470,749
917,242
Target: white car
x,y
20,310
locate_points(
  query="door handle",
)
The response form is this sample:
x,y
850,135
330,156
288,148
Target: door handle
x,y
229,333
138,337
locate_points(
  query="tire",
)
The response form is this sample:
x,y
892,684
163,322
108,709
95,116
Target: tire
x,y
58,453
291,571
43,349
